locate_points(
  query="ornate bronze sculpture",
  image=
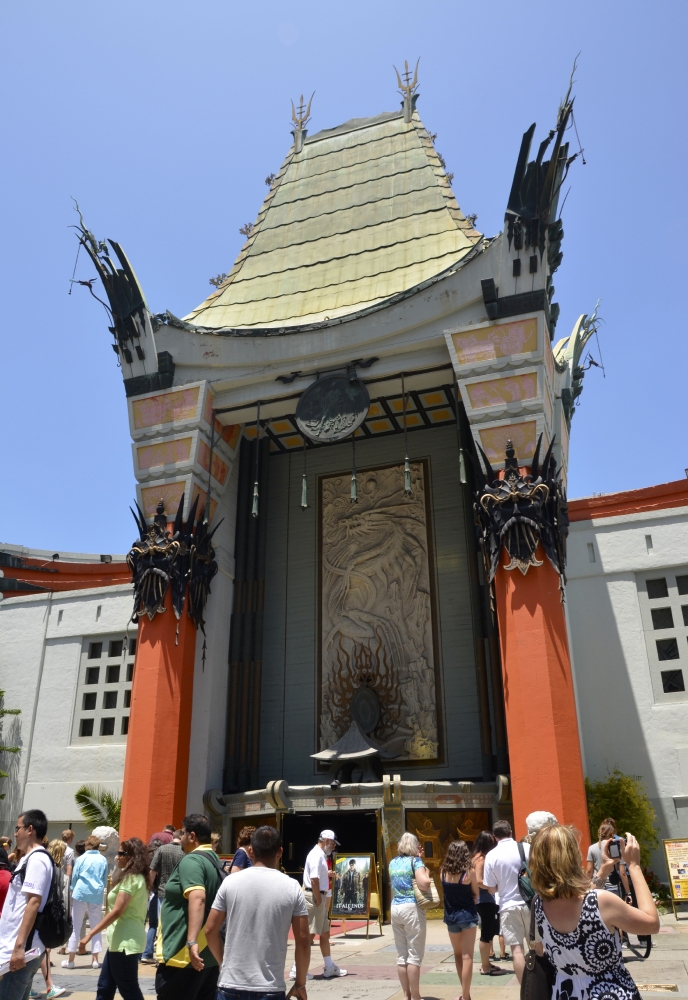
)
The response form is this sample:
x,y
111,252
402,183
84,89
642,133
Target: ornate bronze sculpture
x,y
519,512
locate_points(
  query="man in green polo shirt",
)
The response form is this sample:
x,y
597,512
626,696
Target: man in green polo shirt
x,y
187,969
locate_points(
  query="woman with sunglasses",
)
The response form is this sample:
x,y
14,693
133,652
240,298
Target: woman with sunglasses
x,y
126,919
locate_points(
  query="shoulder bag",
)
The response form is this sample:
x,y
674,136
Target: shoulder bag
x,y
524,887
539,974
425,900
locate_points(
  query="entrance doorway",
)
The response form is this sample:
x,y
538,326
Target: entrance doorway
x,y
356,832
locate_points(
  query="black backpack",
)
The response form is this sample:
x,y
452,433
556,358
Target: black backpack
x,y
54,923
524,886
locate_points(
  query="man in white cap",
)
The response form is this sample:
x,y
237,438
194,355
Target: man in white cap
x,y
316,889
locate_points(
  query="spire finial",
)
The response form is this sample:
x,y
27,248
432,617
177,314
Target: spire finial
x,y
300,117
408,89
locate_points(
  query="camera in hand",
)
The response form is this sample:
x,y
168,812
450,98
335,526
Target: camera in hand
x,y
614,849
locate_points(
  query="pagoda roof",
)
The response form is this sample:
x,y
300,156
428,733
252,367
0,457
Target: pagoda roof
x,y
364,212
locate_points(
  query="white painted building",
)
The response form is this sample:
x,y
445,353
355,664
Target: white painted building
x,y
627,597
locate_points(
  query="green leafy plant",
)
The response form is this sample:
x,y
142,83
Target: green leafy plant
x,y
624,798
98,806
5,749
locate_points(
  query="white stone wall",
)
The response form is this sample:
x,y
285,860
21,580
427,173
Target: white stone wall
x,y
623,724
40,651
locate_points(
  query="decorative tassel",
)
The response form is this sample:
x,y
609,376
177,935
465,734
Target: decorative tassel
x,y
354,486
304,492
407,477
254,507
462,467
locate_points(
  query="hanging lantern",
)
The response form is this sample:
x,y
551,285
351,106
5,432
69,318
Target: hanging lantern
x,y
304,481
354,479
254,505
407,465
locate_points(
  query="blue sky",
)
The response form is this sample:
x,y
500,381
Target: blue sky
x,y
163,119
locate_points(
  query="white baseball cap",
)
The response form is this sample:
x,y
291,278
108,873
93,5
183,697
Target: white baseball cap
x,y
329,835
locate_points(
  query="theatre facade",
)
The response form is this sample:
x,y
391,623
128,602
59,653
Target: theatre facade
x,y
351,463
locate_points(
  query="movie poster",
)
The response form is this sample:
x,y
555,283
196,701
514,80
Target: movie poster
x,y
351,886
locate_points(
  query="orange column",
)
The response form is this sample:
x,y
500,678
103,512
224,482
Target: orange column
x,y
541,718
156,767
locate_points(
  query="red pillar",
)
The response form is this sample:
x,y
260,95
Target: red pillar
x,y
541,718
156,766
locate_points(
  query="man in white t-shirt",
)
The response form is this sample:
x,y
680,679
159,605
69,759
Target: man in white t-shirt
x,y
502,865
20,950
316,889
260,904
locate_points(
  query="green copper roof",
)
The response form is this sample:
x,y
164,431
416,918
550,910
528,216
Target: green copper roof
x,y
362,213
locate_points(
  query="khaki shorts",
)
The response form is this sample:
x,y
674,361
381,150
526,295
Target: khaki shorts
x,y
408,927
514,925
318,917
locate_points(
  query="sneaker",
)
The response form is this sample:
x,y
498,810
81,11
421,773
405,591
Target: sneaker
x,y
33,993
292,974
95,964
332,971
67,964
55,991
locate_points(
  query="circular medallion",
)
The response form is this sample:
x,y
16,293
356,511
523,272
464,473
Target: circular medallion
x,y
332,408
365,709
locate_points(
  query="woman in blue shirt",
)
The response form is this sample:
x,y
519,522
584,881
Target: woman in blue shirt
x,y
408,920
89,878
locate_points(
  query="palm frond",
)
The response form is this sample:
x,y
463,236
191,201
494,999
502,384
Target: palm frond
x,y
98,806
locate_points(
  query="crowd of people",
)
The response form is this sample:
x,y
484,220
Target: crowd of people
x,y
215,934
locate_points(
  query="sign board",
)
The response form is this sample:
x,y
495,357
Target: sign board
x,y
676,853
354,880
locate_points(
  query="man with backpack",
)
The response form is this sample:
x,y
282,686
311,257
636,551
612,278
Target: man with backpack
x,y
503,867
21,948
187,969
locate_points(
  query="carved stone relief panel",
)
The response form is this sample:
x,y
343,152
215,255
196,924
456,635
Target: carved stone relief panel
x,y
376,614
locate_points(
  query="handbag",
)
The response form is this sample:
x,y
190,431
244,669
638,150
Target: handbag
x,y
425,900
524,887
539,974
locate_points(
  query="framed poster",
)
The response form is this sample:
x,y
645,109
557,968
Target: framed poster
x,y
676,853
351,885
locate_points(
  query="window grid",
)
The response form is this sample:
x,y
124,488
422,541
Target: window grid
x,y
664,613
103,695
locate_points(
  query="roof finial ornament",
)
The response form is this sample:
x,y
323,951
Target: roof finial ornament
x,y
300,118
408,89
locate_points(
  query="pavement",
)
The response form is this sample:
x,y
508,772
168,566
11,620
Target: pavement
x,y
371,965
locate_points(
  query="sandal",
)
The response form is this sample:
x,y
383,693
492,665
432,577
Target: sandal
x,y
494,971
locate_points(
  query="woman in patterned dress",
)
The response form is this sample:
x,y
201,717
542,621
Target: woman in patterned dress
x,y
579,926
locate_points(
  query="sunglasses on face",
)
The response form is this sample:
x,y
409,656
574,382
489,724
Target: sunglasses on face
x,y
123,854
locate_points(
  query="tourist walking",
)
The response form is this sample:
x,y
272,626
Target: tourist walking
x,y
125,923
68,858
241,858
21,948
187,969
579,927
260,905
164,861
56,849
460,888
408,920
89,878
500,874
5,876
488,910
316,889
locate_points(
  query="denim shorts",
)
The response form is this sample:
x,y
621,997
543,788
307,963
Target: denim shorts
x,y
462,925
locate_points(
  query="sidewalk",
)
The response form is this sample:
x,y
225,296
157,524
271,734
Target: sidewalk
x,y
372,969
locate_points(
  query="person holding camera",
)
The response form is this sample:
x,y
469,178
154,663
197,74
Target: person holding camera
x,y
617,877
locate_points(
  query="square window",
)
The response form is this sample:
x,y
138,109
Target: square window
x,y
110,699
89,702
113,674
657,588
86,727
682,584
92,675
127,699
130,671
662,618
667,649
107,727
95,650
132,646
684,609
125,725
672,681
116,647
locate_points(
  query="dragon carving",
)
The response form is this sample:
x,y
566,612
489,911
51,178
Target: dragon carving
x,y
519,512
